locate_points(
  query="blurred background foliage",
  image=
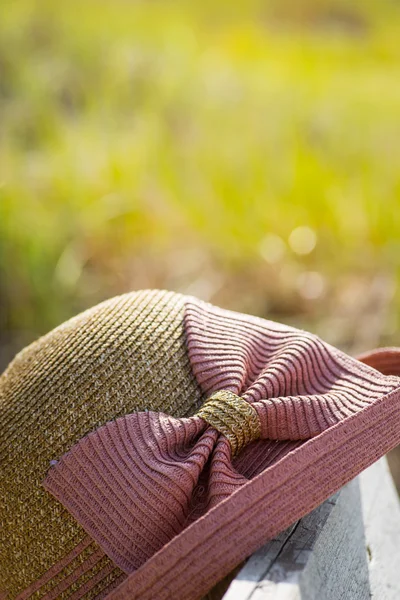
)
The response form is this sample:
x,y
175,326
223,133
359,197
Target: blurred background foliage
x,y
245,152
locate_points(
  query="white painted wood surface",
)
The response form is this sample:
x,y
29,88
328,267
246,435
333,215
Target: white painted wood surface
x,y
346,549
381,514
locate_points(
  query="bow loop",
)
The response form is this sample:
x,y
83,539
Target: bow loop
x,y
135,483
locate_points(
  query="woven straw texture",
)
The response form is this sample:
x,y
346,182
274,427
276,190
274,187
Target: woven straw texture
x,y
125,355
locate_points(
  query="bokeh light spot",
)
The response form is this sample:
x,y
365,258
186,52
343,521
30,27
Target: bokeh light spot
x,y
272,248
303,240
311,285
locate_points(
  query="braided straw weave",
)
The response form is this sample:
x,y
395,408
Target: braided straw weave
x,y
232,416
125,355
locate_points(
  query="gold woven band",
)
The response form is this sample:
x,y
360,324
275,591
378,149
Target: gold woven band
x,y
232,416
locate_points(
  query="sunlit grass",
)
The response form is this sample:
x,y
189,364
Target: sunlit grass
x,y
163,144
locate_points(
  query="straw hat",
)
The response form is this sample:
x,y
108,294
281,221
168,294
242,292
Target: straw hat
x,y
152,443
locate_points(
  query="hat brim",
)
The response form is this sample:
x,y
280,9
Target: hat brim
x,y
195,560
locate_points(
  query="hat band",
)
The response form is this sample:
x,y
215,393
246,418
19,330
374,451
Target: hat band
x,y
232,416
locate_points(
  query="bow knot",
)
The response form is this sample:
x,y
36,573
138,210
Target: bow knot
x,y
232,416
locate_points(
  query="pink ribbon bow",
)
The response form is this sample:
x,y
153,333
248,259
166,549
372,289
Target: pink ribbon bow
x,y
137,482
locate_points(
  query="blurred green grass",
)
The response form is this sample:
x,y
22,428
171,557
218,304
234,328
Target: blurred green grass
x,y
245,152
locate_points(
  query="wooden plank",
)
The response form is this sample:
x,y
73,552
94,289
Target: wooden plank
x,y
325,556
381,513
